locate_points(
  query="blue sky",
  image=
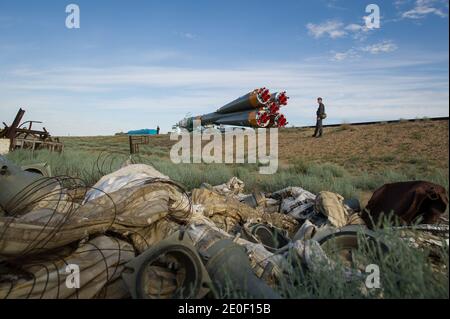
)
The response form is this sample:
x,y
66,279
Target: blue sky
x,y
138,64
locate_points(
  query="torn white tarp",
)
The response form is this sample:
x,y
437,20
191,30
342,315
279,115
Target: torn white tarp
x,y
128,176
296,202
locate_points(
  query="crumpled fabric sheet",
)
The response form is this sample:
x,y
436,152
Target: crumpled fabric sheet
x,y
100,261
306,231
228,212
233,187
129,176
332,205
296,202
311,254
4,146
127,211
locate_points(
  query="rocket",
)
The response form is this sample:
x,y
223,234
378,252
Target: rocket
x,y
257,109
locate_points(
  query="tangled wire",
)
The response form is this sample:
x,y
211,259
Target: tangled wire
x,y
61,197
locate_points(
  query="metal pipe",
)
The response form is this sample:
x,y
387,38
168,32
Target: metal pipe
x,y
258,118
250,101
279,98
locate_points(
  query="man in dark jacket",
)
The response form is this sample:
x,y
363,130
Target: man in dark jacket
x,y
320,116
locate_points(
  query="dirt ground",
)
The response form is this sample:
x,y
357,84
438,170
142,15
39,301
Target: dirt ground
x,y
422,144
372,147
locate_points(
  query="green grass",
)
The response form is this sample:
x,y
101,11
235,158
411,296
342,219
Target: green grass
x,y
314,177
405,272
87,166
423,119
344,127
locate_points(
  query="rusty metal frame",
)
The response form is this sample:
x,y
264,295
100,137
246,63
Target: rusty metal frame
x,y
22,137
135,141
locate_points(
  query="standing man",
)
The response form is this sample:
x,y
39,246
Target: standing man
x,y
321,115
157,130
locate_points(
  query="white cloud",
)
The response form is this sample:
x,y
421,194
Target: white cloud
x,y
187,35
399,3
381,47
332,28
355,53
336,29
354,27
358,31
423,8
334,4
349,54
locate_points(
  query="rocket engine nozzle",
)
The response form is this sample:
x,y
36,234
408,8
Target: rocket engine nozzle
x,y
280,98
263,94
273,107
262,119
280,120
283,98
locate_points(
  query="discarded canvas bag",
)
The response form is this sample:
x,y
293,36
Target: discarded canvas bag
x,y
125,177
227,212
332,205
129,211
90,267
408,201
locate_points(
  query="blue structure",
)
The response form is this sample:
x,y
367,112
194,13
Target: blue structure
x,y
145,131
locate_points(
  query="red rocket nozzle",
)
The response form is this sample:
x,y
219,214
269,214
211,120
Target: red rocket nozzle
x,y
273,108
265,94
261,90
281,120
282,98
263,119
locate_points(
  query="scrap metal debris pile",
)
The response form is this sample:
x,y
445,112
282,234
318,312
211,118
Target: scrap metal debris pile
x,y
137,233
258,109
23,136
